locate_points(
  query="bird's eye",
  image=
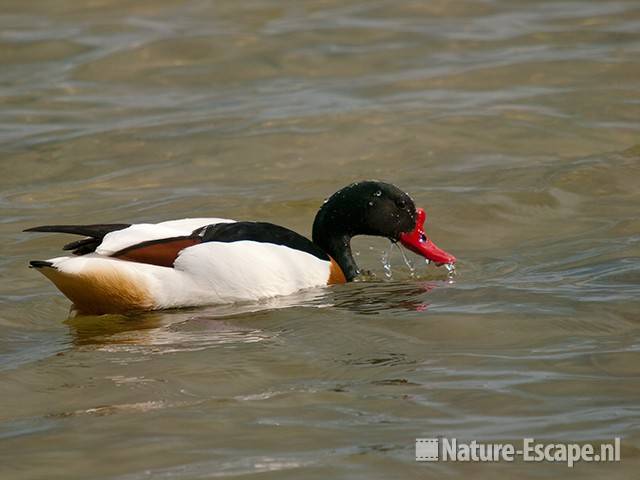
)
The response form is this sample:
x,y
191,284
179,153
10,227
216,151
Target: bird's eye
x,y
423,238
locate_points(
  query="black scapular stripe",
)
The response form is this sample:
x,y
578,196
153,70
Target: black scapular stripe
x,y
260,232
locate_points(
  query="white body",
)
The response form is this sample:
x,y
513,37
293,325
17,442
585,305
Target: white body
x,y
203,274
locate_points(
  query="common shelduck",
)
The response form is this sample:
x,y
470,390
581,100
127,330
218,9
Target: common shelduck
x,y
203,261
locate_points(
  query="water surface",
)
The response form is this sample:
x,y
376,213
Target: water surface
x,y
514,124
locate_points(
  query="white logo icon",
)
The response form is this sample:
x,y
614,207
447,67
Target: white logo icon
x,y
427,449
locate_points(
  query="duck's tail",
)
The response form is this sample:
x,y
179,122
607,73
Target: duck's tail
x,y
97,285
40,264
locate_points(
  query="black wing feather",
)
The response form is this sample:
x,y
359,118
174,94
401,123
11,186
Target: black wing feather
x,y
95,232
98,230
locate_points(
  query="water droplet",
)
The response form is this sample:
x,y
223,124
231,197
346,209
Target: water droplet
x,y
371,204
386,263
427,261
407,262
378,193
451,269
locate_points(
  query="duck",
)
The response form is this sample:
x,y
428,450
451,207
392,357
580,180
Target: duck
x,y
122,267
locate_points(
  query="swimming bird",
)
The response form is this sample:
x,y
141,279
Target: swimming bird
x,y
203,261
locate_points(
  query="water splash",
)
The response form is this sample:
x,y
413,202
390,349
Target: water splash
x,y
386,262
451,271
407,262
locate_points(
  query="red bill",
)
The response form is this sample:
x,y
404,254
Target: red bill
x,y
418,242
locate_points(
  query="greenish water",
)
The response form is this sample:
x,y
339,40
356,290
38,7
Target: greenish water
x,y
516,125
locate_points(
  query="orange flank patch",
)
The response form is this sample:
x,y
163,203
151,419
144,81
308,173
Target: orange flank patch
x,y
100,292
336,274
162,253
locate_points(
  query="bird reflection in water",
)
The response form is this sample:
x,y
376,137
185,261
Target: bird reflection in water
x,y
195,329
